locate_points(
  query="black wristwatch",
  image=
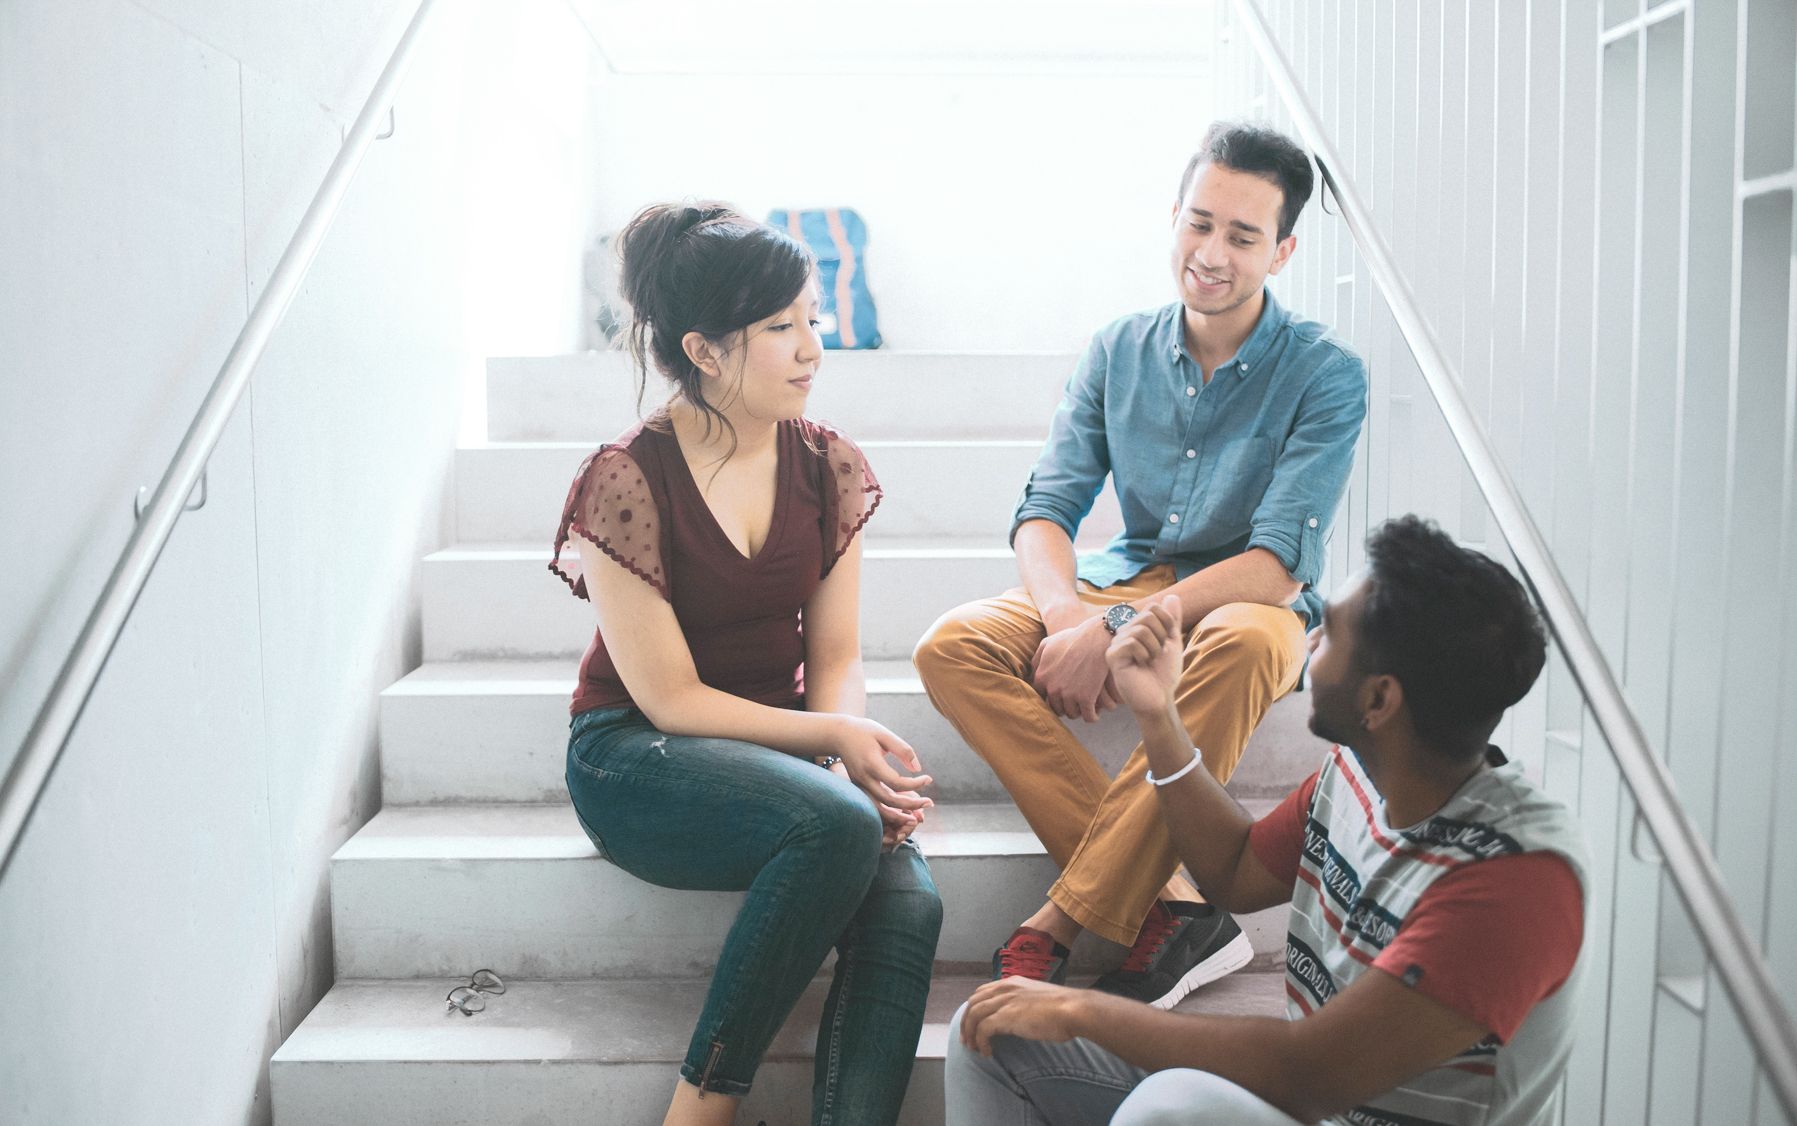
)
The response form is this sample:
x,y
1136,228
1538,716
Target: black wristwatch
x,y
1118,616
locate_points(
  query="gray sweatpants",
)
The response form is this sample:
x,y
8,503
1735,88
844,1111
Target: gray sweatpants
x,y
1029,1083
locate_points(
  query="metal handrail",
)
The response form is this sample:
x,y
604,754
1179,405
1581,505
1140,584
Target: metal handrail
x,y
1687,857
32,766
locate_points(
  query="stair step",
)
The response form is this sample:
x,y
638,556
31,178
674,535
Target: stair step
x,y
427,891
591,396
553,1051
500,601
514,491
497,731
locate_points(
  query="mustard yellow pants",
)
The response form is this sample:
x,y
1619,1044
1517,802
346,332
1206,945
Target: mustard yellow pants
x,y
1106,835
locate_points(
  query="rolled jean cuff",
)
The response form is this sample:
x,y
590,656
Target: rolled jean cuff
x,y
718,1085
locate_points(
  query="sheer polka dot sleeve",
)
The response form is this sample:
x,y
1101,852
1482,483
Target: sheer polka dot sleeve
x,y
853,494
609,505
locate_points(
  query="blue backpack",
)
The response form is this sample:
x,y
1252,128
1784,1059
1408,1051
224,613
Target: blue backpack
x,y
839,239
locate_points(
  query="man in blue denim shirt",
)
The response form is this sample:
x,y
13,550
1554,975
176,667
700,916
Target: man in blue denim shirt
x,y
1228,426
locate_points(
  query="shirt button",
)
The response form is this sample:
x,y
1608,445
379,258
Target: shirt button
x,y
1173,518
1244,367
1312,521
1191,453
1190,391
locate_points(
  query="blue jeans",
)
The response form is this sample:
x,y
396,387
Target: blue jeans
x,y
722,815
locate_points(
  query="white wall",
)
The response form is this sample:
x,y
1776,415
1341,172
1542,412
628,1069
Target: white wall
x,y
1005,212
164,923
1595,212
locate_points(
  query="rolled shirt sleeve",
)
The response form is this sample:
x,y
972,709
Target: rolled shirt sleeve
x,y
1310,474
1075,460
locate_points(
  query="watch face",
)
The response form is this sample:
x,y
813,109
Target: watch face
x,y
1118,616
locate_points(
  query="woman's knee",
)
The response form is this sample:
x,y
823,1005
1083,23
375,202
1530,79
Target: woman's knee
x,y
903,898
842,825
915,913
923,910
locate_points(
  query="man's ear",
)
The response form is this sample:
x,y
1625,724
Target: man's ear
x,y
1283,253
1381,699
704,355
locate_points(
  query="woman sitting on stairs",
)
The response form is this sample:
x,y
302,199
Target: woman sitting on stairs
x,y
719,740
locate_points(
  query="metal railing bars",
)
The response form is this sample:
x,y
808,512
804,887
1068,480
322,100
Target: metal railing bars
x,y
1685,854
1647,19
50,731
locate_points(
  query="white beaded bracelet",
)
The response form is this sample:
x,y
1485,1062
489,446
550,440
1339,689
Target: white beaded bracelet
x,y
1197,757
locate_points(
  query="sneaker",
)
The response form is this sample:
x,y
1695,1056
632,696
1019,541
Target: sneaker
x,y
1031,953
1182,946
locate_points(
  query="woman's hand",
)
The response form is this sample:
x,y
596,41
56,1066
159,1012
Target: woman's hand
x,y
897,825
898,832
865,746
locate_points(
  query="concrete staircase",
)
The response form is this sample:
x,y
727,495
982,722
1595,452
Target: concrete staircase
x,y
476,861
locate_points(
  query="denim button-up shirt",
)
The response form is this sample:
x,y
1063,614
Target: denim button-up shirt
x,y
1258,457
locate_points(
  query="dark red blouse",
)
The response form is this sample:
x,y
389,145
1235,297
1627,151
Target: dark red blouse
x,y
636,500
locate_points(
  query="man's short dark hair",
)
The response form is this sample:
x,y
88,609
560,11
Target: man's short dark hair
x,y
1453,627
1259,151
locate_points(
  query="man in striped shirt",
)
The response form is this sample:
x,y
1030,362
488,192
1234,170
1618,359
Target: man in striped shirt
x,y
1436,893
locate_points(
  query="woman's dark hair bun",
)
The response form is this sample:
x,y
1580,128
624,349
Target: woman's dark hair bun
x,y
654,234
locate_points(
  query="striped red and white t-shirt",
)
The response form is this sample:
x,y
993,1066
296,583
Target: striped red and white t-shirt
x,y
1480,906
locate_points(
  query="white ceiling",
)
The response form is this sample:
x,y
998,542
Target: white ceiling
x,y
1130,37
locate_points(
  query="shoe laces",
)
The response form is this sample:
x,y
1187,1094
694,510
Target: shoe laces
x,y
1156,929
1027,955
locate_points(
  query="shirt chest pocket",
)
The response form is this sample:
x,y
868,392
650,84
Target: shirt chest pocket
x,y
1237,478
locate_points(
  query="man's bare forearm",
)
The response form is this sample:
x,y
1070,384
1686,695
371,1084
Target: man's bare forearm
x,y
1049,569
1209,829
